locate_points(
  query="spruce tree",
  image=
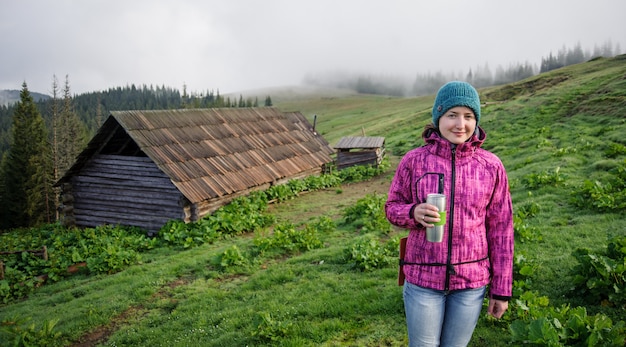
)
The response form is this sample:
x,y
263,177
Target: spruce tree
x,y
28,196
70,133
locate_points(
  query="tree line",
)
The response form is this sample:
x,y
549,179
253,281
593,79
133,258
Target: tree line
x,y
480,76
39,140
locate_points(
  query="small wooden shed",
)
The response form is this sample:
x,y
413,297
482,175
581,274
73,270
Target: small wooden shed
x,y
144,168
359,150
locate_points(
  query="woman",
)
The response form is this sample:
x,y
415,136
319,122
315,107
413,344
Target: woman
x,y
445,282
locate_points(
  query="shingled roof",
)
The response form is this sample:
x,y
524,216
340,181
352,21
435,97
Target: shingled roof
x,y
209,153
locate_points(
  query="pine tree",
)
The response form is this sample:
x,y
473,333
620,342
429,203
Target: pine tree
x,y
70,133
27,174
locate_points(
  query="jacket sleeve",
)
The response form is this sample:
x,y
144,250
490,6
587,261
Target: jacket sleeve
x,y
399,203
500,235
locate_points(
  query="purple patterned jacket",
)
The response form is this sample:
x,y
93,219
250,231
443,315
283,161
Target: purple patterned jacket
x,y
477,246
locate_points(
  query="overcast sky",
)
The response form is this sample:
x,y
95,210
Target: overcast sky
x,y
238,45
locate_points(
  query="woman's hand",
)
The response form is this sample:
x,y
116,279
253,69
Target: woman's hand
x,y
497,307
425,214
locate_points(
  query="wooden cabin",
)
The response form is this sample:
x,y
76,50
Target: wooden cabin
x,y
359,150
144,168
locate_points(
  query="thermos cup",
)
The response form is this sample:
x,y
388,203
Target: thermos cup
x,y
435,234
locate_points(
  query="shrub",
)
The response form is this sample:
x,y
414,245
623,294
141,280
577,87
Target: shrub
x,y
270,329
230,257
367,253
545,178
603,196
602,277
287,239
17,332
368,214
539,324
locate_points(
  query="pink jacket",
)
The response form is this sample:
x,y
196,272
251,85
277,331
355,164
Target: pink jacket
x,y
477,247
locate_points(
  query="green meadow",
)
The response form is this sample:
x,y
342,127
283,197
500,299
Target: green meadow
x,y
562,138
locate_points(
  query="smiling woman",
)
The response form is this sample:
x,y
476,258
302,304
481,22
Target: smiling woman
x,y
446,279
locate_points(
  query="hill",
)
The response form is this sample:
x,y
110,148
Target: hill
x,y
560,136
8,97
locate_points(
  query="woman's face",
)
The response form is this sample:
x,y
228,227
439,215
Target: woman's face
x,y
458,124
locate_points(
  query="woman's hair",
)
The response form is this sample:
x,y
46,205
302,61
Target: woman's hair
x,y
428,129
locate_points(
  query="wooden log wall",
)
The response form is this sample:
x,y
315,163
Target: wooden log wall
x,y
124,190
346,158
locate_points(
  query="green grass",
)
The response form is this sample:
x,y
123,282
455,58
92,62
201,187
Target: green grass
x,y
567,119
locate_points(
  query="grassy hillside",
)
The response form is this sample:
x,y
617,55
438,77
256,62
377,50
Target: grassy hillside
x,y
554,133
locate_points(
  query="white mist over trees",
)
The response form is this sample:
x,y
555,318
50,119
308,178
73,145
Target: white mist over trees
x,y
480,76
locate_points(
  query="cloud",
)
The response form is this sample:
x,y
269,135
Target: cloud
x,y
238,45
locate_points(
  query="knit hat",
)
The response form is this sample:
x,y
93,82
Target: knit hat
x,y
454,94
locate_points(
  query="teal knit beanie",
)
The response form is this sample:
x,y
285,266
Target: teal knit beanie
x,y
454,94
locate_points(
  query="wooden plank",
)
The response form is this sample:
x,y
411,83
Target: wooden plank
x,y
120,182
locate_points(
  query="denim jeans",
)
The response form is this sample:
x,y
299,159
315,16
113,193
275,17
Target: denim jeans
x,y
438,318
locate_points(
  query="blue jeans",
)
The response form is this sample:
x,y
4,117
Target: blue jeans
x,y
438,318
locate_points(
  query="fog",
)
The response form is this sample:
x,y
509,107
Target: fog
x,y
239,45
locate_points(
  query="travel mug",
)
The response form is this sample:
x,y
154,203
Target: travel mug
x,y
435,234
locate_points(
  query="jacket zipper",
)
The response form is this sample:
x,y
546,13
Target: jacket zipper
x,y
449,266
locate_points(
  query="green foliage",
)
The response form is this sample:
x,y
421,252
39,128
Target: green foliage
x,y
545,178
614,150
368,214
244,214
603,196
105,249
230,257
323,224
269,329
367,253
602,277
362,172
523,231
287,239
27,198
18,332
539,324
523,271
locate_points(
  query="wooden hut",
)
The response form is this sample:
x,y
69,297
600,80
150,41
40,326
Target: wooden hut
x,y
144,168
359,150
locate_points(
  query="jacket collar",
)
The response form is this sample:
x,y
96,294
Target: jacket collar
x,y
443,148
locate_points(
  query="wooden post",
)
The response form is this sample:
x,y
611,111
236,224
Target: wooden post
x,y
1,270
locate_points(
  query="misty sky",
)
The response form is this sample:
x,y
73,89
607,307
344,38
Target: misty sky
x,y
238,45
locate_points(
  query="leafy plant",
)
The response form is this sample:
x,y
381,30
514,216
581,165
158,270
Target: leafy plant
x,y
368,214
603,196
539,324
367,253
270,329
18,332
231,257
286,239
602,277
614,150
545,178
523,231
